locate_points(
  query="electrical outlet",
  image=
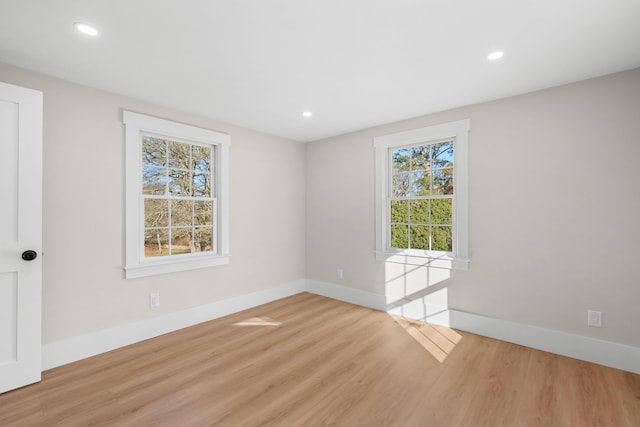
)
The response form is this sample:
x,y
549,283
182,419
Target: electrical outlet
x,y
154,300
594,318
340,273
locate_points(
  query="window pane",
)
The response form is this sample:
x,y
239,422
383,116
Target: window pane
x,y
443,155
180,240
201,159
179,155
400,211
399,236
154,180
201,185
156,213
443,181
419,184
181,213
420,212
441,238
420,158
179,183
400,160
156,242
419,237
203,213
400,185
441,211
154,151
203,239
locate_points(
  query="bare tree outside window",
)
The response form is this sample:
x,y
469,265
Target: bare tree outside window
x,y
179,197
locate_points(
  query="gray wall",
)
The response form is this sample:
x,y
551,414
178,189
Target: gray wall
x,y
554,204
83,241
553,199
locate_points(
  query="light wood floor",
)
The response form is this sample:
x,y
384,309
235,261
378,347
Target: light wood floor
x,y
312,361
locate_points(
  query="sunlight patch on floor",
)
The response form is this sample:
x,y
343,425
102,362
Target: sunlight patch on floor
x,y
438,340
258,321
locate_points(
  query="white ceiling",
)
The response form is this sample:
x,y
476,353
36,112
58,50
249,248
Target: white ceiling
x,y
354,63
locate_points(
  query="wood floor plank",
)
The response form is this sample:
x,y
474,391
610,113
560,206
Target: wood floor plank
x,y
307,360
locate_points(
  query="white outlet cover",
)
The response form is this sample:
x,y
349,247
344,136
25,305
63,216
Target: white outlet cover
x,y
154,300
594,318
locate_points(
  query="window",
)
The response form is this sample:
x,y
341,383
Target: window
x,y
422,196
176,196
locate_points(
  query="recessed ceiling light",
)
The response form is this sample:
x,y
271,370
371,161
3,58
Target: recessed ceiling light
x,y
86,29
495,55
307,113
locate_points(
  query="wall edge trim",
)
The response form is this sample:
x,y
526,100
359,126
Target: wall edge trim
x,y
607,353
80,347
601,352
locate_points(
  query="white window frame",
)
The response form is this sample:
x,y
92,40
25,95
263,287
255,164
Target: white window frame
x,y
458,259
136,265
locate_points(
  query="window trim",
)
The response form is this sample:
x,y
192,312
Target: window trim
x,y
136,265
457,259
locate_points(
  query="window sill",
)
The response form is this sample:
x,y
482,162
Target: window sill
x,y
153,268
438,261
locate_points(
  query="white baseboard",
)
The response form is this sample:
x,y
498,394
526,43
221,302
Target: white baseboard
x,y
347,294
80,347
606,353
418,310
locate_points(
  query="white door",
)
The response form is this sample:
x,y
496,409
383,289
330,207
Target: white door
x,y
20,236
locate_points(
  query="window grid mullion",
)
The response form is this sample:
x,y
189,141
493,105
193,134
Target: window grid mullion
x,y
170,222
409,198
193,225
190,171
